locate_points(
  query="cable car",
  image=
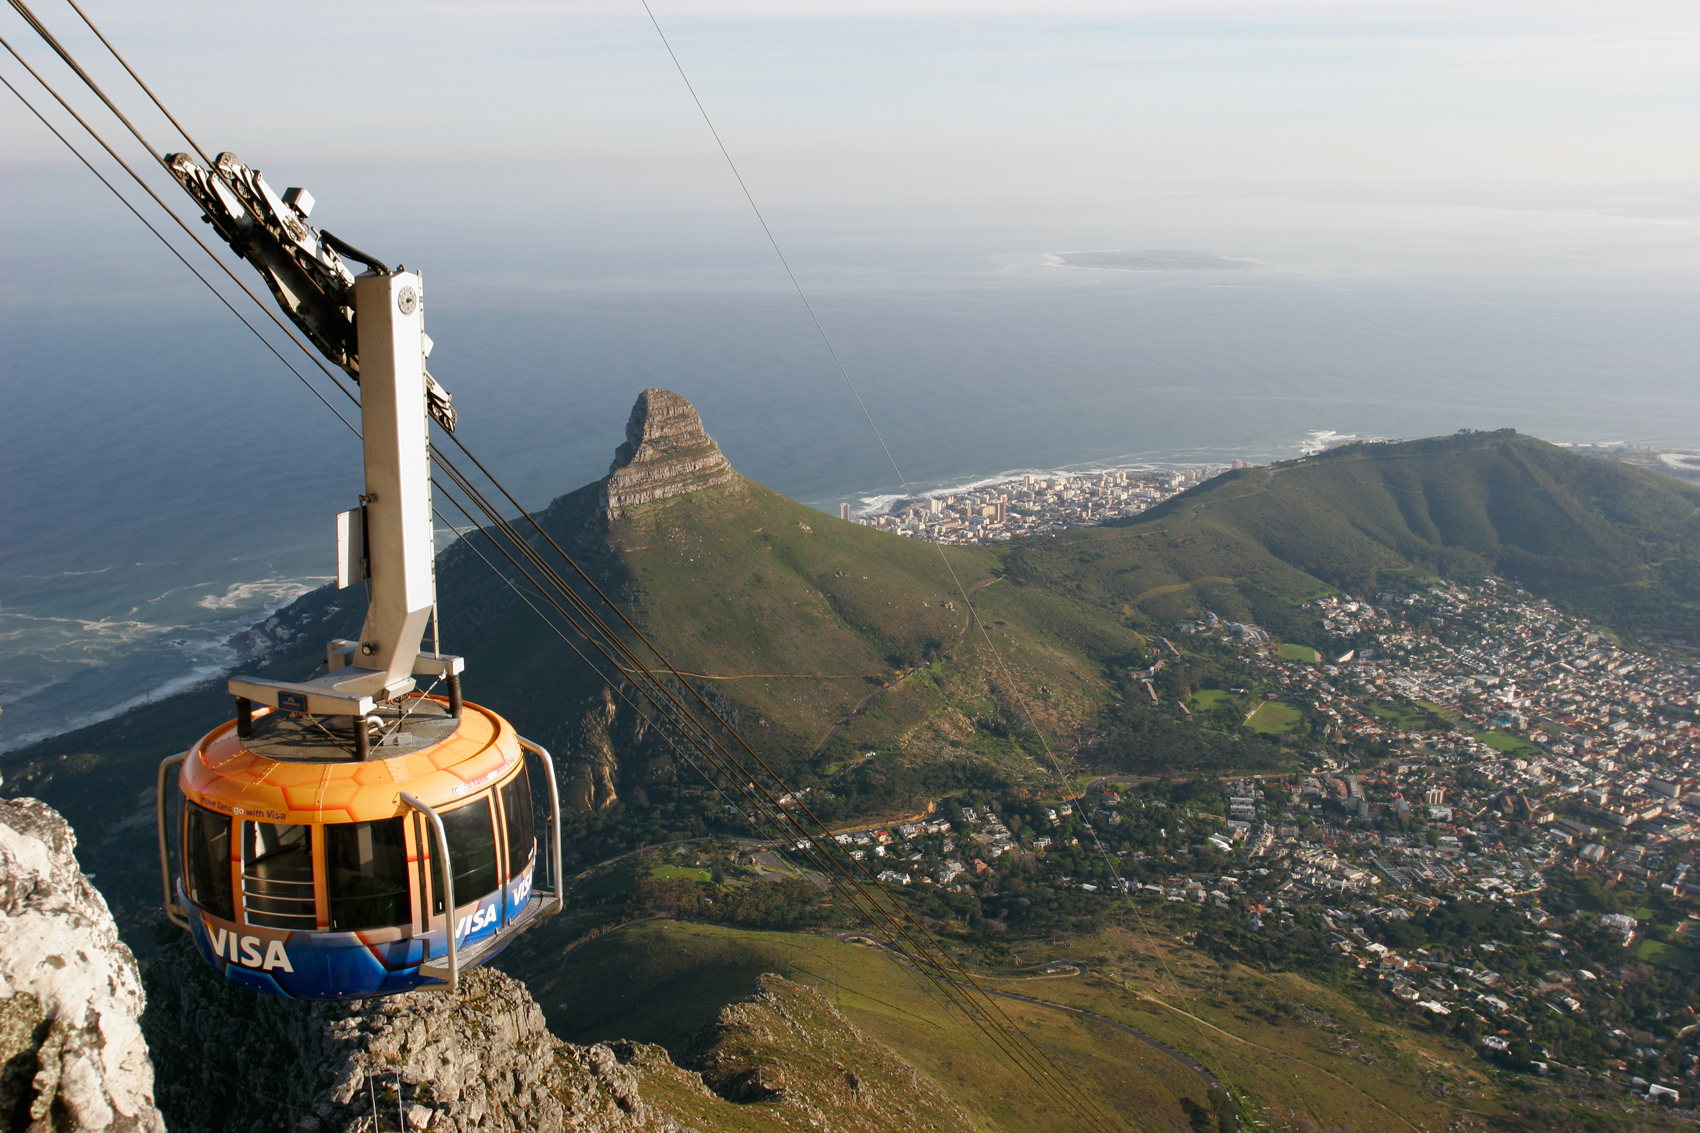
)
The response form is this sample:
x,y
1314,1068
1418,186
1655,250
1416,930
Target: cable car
x,y
354,835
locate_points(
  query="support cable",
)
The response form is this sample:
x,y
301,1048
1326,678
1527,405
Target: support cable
x,y
148,189
921,969
170,248
886,449
954,972
193,144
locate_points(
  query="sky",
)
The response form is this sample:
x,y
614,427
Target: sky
x,y
990,112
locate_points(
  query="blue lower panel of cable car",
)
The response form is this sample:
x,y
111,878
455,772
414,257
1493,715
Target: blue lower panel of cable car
x,y
351,965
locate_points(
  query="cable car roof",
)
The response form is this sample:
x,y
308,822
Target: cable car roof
x,y
224,773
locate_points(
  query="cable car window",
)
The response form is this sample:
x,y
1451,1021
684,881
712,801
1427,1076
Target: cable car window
x,y
366,874
277,875
425,838
472,850
206,847
516,807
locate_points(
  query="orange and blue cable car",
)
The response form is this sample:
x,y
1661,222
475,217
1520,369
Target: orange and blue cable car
x,y
352,835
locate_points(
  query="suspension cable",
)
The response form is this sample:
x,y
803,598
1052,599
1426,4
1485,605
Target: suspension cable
x,y
902,922
170,248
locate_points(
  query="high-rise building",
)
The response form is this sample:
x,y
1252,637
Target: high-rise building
x,y
843,511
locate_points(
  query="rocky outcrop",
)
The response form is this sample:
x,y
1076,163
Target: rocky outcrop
x,y
70,994
593,759
791,1055
233,1060
783,1060
666,454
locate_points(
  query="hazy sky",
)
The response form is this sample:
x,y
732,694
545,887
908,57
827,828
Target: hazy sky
x,y
931,104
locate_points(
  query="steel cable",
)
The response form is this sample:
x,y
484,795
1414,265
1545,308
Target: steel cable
x,y
931,954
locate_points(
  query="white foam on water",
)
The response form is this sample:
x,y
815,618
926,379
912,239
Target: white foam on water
x,y
62,668
71,723
274,592
1321,440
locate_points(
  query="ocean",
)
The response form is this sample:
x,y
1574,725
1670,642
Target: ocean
x,y
167,483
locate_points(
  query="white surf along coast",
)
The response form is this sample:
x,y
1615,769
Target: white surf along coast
x,y
66,672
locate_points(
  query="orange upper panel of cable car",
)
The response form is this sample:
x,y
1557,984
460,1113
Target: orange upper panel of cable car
x,y
299,769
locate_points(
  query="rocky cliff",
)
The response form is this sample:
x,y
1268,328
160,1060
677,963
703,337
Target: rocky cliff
x,y
666,454
70,994
232,1060
783,1060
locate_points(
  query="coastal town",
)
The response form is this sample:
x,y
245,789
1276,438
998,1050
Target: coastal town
x,y
1475,756
1032,504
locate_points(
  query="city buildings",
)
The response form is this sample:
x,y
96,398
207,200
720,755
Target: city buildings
x,y
1032,504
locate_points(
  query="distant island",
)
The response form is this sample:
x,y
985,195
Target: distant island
x,y
1152,260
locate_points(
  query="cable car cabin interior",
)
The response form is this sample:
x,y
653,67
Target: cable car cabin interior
x,y
310,872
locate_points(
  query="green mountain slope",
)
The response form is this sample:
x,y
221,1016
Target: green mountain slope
x,y
818,638
1603,540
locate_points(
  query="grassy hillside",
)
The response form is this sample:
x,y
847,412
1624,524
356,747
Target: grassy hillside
x,y
1294,1054
661,980
1603,540
819,638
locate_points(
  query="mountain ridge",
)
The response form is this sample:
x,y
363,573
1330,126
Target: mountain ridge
x,y
824,630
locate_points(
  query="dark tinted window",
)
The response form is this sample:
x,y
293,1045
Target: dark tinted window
x,y
516,808
277,875
366,874
426,836
472,850
206,851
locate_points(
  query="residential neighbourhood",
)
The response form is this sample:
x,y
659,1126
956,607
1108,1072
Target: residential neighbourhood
x,y
1034,504
1477,757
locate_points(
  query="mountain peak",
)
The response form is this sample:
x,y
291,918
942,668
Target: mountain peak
x,y
666,454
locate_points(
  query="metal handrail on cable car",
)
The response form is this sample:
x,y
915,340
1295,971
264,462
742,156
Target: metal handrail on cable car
x,y
448,877
174,912
554,822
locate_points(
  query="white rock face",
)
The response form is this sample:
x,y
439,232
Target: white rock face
x,y
69,988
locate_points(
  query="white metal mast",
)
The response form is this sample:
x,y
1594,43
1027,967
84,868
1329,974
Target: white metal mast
x,y
373,326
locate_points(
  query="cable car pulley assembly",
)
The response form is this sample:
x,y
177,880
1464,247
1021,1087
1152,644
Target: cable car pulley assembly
x,y
350,835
